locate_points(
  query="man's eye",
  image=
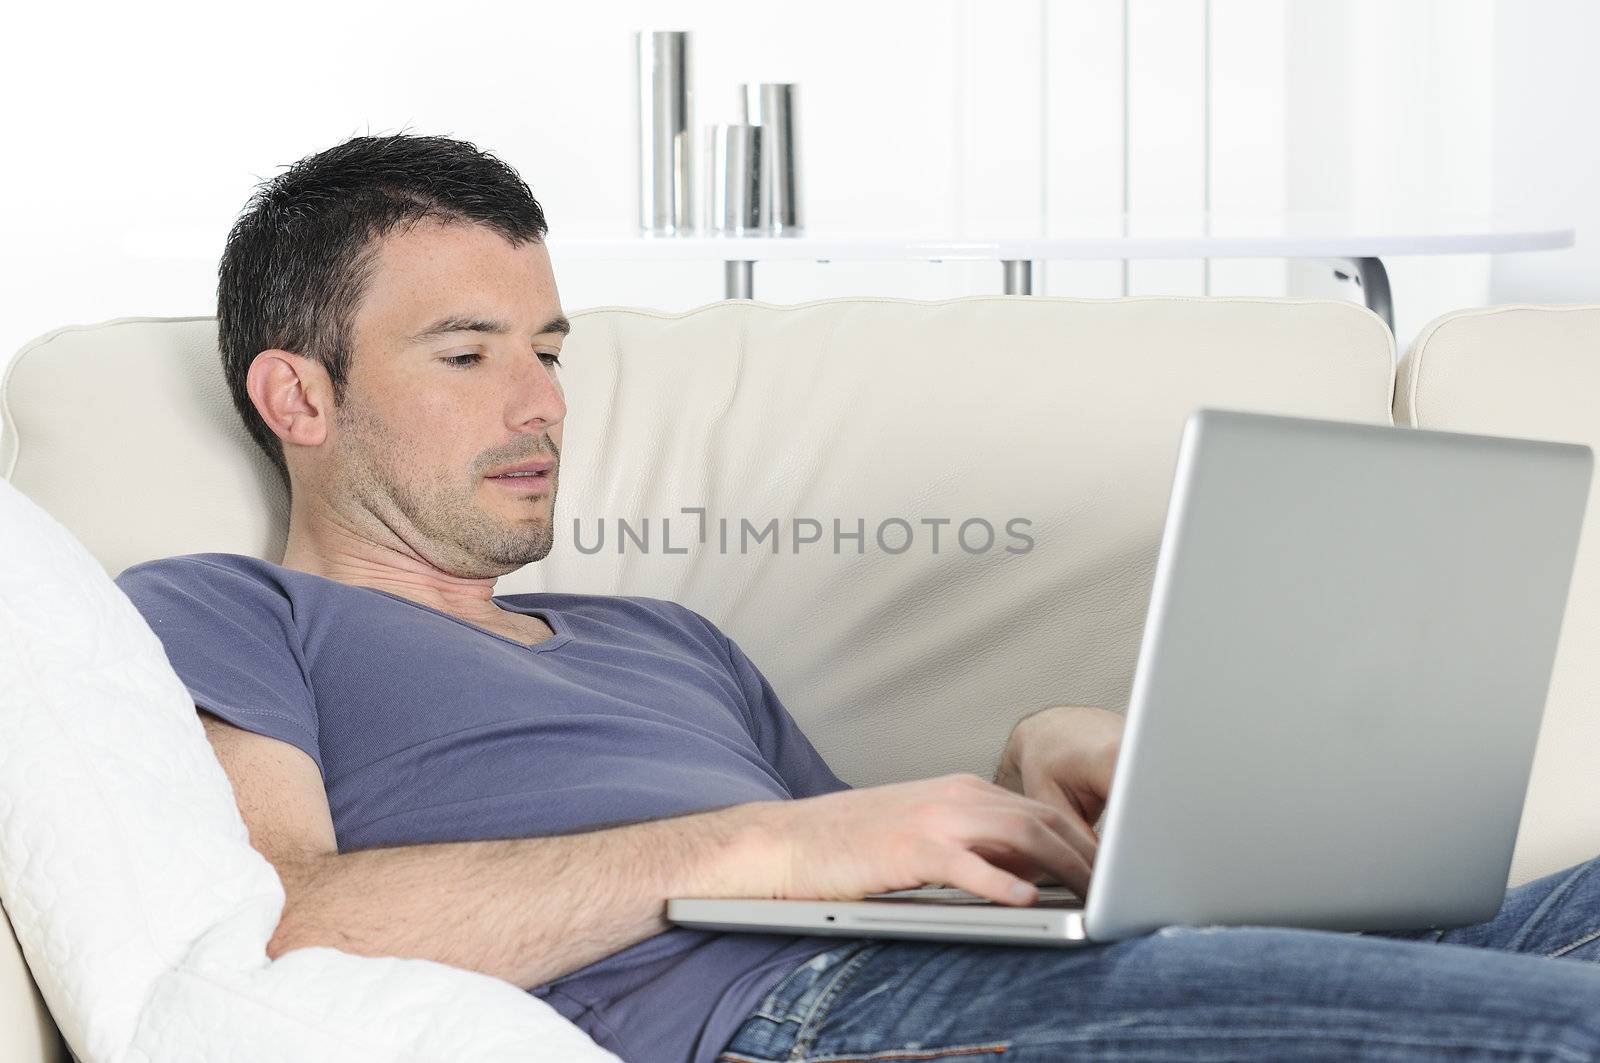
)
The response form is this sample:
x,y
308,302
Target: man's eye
x,y
462,361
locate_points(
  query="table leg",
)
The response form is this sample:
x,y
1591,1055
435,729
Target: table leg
x,y
1019,276
1373,280
738,279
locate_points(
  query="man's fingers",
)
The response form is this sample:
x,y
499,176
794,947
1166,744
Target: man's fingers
x,y
1060,817
1016,863
1071,865
1052,804
1080,827
973,873
1022,833
1054,840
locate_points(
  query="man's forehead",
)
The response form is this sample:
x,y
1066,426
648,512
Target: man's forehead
x,y
437,279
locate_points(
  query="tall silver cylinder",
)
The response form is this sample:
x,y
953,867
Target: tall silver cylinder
x,y
732,199
771,106
664,80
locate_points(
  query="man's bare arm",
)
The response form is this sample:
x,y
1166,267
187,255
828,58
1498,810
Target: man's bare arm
x,y
527,910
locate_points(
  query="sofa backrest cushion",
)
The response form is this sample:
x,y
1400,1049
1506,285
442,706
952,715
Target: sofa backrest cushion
x,y
1533,371
1047,426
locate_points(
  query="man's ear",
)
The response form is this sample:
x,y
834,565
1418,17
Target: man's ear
x,y
293,394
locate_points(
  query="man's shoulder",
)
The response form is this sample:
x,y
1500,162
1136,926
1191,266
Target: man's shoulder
x,y
196,566
216,576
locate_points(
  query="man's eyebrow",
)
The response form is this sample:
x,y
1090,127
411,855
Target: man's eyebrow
x,y
445,325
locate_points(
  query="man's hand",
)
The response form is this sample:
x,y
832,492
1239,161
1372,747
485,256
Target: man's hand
x,y
1064,756
956,830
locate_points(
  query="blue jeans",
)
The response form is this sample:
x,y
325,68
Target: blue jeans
x,y
1516,987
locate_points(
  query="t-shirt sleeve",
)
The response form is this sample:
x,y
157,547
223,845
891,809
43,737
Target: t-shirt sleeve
x,y
231,638
777,735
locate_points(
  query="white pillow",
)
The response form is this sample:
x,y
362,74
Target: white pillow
x,y
128,873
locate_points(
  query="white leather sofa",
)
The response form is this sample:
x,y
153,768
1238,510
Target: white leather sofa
x,y
1062,413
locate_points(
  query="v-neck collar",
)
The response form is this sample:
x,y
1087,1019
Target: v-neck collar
x,y
560,635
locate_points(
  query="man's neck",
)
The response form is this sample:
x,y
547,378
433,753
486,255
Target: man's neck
x,y
327,548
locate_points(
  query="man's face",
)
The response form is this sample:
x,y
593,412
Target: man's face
x,y
452,379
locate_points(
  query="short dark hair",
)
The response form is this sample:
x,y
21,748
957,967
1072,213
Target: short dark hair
x,y
298,259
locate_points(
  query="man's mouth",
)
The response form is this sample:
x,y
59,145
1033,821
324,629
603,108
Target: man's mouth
x,y
524,480
535,474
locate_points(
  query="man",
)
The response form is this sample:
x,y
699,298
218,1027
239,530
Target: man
x,y
517,784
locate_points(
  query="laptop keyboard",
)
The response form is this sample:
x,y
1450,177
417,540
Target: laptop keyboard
x,y
1049,897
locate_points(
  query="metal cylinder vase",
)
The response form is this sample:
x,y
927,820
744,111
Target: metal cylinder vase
x,y
772,106
732,200
664,80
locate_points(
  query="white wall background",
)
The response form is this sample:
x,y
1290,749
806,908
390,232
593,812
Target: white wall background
x,y
1547,142
136,132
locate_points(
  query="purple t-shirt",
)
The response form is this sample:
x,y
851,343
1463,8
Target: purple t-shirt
x,y
427,728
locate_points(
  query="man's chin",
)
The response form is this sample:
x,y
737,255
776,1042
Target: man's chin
x,y
509,557
532,542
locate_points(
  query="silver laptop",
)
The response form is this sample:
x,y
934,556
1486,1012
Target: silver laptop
x,y
1336,699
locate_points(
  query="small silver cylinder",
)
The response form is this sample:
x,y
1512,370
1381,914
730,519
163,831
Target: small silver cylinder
x,y
772,107
664,80
732,199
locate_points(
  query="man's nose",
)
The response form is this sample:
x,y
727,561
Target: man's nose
x,y
538,396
